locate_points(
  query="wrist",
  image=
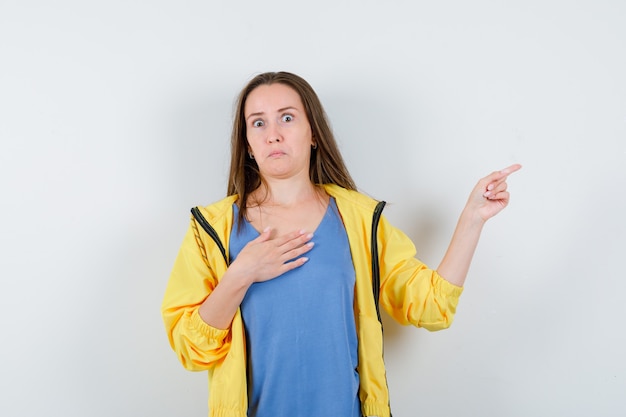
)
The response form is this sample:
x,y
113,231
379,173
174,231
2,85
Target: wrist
x,y
237,280
471,219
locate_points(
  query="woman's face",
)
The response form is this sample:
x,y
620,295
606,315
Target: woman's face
x,y
278,131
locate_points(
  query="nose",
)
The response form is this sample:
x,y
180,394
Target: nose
x,y
273,134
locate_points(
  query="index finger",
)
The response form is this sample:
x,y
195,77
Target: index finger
x,y
511,169
503,173
291,236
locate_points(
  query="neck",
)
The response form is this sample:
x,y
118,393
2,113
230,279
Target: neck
x,y
286,193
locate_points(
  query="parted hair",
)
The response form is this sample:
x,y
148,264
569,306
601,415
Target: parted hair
x,y
326,165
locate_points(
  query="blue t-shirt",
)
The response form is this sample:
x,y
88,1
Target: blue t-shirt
x,y
300,330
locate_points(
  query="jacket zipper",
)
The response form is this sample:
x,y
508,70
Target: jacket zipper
x,y
375,263
210,230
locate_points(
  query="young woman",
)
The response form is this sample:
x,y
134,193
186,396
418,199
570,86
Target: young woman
x,y
277,304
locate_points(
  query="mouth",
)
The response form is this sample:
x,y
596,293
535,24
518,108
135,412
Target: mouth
x,y
276,154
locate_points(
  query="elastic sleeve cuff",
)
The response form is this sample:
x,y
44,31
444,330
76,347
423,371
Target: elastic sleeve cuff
x,y
209,331
447,288
375,409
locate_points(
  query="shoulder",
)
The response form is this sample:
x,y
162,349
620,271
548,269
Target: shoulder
x,y
219,210
350,198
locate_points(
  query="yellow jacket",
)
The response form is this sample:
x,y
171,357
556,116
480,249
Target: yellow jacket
x,y
410,292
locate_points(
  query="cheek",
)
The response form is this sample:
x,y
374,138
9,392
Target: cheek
x,y
252,140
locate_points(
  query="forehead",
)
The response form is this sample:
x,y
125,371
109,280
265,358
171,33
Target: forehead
x,y
266,98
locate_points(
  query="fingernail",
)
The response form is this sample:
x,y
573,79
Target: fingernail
x,y
487,194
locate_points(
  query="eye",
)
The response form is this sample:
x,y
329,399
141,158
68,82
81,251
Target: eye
x,y
257,123
287,118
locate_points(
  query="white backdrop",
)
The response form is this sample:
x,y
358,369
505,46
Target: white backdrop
x,y
114,121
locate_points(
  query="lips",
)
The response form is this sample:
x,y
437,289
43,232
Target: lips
x,y
275,154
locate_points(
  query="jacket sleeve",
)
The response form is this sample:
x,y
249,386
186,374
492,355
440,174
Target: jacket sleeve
x,y
411,292
197,345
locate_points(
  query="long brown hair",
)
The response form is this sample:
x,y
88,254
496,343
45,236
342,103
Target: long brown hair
x,y
326,164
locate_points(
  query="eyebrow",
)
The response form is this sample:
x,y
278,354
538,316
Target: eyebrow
x,y
278,111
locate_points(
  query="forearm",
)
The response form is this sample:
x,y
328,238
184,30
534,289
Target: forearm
x,y
456,262
219,308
